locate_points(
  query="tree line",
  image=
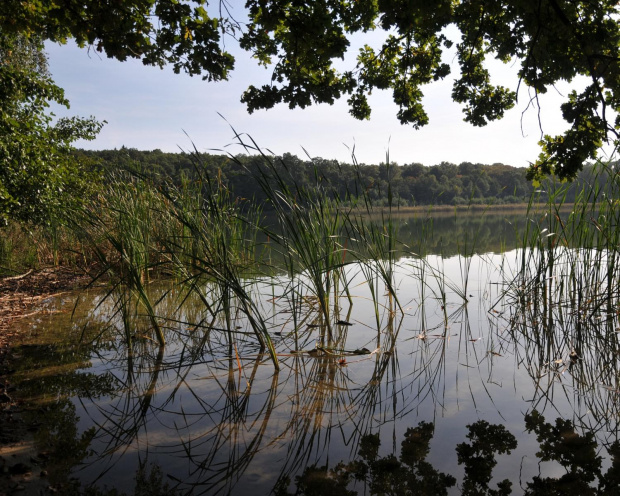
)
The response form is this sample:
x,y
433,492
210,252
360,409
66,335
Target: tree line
x,y
411,184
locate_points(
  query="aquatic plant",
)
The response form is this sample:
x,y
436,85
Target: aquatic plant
x,y
571,260
309,235
215,252
118,227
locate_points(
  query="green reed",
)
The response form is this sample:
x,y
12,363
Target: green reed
x,y
215,251
563,347
309,234
206,238
24,247
466,248
568,262
118,226
18,252
376,240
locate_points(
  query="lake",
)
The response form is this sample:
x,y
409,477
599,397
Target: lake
x,y
463,380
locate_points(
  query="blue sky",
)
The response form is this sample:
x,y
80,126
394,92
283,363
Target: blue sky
x,y
148,108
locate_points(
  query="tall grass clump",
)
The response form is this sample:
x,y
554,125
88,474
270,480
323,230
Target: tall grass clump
x,y
564,303
308,233
375,233
467,247
18,252
119,226
568,261
214,252
24,246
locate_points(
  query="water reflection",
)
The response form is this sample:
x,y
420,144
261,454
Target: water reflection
x,y
425,401
410,473
220,436
448,233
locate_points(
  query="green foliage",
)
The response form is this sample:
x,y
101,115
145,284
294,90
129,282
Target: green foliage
x,y
409,184
17,250
303,43
152,483
120,232
38,174
157,32
149,482
550,40
216,246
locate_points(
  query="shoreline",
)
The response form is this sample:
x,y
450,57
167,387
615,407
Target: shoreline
x,y
22,466
452,209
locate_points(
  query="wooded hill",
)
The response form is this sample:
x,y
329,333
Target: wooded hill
x,y
409,184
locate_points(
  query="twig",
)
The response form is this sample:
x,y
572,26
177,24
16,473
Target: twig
x,y
21,276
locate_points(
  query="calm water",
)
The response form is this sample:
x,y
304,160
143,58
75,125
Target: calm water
x,y
441,388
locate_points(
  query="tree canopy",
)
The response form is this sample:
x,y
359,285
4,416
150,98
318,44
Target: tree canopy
x,y
303,44
159,32
39,175
550,40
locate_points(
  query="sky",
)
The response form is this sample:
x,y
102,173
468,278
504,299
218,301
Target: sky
x,y
148,108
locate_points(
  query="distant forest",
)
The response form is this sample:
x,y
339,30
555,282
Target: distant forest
x,y
407,185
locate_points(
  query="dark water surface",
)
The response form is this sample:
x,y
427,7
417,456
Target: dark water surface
x,y
460,391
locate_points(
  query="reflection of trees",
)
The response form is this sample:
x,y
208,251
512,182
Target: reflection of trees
x,y
47,377
445,233
411,474
577,454
478,457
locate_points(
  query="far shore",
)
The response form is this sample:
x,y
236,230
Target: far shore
x,y
478,208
